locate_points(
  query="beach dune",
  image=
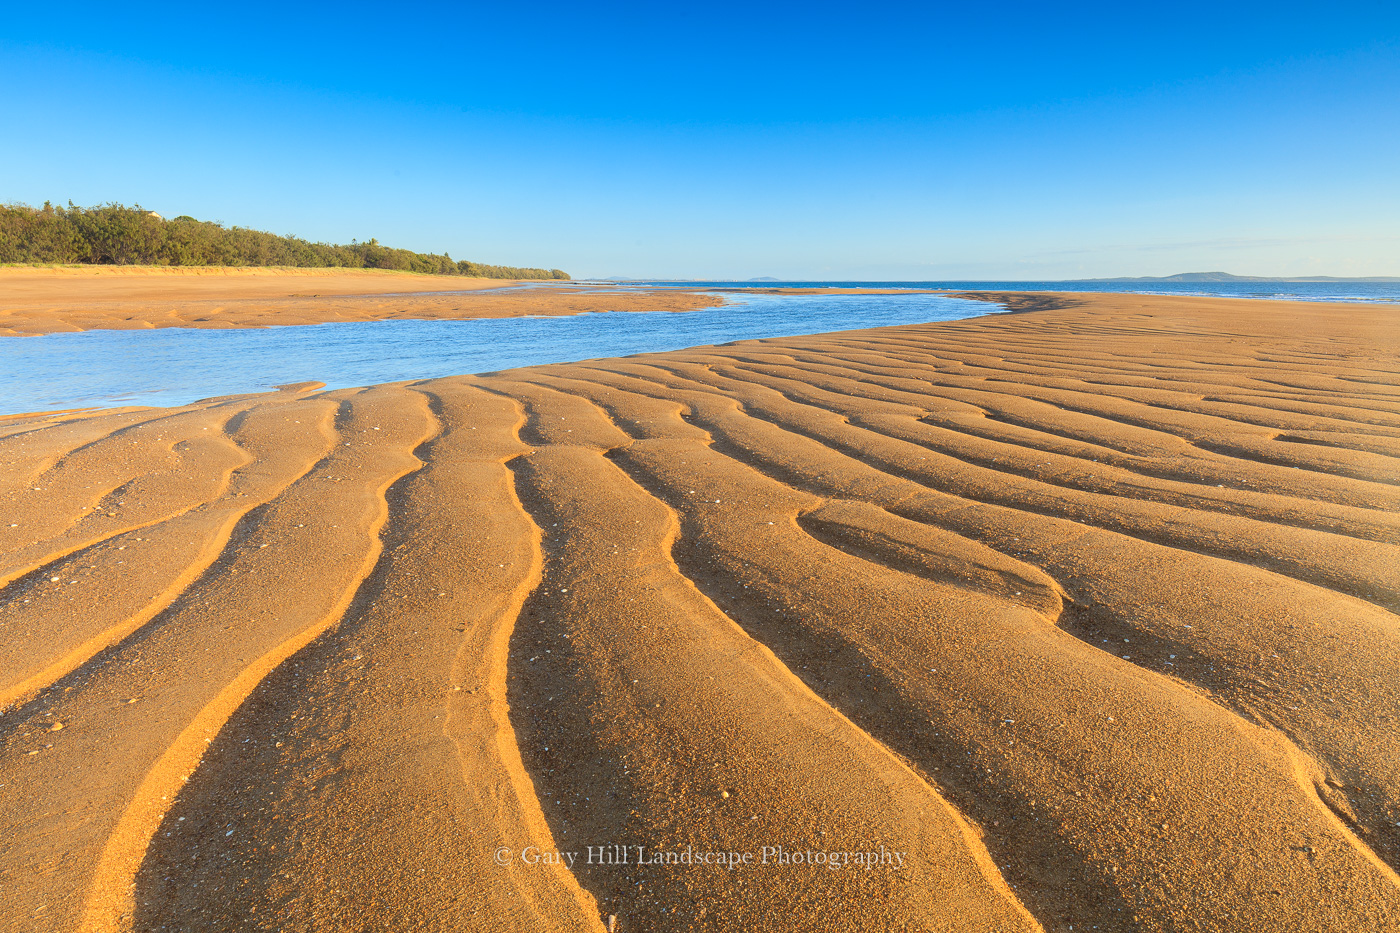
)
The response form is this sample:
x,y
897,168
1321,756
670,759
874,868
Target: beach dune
x,y
1081,617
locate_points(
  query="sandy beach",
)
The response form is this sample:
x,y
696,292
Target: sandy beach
x,y
1088,613
39,300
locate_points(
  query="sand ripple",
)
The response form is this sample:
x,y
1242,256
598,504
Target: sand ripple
x,y
1090,613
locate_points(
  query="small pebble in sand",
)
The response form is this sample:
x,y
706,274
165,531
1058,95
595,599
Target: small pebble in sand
x,y
56,727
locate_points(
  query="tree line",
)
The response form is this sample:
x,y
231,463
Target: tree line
x,y
114,234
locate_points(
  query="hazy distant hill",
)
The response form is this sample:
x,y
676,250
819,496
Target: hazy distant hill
x,y
1227,277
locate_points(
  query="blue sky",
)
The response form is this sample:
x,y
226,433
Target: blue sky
x,y
733,140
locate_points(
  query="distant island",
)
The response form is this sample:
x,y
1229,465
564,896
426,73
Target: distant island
x,y
1205,277
116,235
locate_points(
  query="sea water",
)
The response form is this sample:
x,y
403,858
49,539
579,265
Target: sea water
x,y
1343,290
175,366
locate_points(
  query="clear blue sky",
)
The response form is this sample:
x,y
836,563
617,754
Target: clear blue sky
x,y
831,141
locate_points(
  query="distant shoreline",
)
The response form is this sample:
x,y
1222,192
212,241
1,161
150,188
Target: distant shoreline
x,y
1343,290
1187,278
45,300
1206,278
55,299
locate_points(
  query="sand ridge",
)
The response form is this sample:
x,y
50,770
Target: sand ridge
x,y
1089,612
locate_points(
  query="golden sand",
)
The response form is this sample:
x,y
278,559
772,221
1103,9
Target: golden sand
x,y
68,298
1087,612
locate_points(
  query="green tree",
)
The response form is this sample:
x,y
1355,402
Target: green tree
x,y
113,234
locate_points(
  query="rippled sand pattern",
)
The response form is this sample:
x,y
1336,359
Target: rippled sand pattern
x,y
1088,612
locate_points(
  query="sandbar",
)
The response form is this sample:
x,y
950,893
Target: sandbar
x,y
43,300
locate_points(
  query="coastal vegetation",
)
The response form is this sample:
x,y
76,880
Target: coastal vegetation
x,y
114,234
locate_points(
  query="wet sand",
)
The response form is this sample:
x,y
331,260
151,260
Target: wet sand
x,y
1089,613
68,298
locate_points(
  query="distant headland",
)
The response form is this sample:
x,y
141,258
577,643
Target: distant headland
x,y
1203,277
